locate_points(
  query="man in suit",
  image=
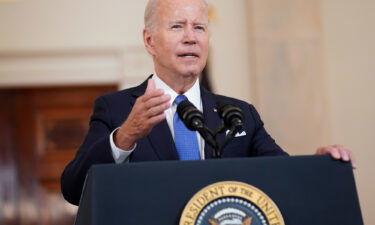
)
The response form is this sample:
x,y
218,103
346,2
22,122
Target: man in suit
x,y
141,124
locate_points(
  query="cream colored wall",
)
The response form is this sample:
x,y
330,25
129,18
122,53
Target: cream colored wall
x,y
72,42
287,73
229,53
349,33
43,25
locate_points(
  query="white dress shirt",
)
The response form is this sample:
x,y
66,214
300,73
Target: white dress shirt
x,y
194,96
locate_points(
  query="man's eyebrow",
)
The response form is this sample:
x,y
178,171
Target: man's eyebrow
x,y
201,23
177,22
184,22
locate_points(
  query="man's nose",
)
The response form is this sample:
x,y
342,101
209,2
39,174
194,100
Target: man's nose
x,y
189,36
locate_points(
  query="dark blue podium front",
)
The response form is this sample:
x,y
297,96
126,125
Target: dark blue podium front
x,y
308,190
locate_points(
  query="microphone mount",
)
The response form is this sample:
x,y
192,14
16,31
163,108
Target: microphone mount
x,y
194,120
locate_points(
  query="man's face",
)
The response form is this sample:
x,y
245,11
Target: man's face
x,y
179,43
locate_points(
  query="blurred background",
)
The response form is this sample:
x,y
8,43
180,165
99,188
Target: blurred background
x,y
308,67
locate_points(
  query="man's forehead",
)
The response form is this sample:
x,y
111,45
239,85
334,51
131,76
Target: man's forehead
x,y
182,6
177,11
159,2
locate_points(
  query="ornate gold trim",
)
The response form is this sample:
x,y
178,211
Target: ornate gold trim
x,y
230,189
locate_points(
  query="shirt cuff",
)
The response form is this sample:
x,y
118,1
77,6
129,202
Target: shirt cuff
x,y
118,154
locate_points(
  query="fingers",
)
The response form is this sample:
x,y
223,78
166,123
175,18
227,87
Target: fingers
x,y
156,110
344,155
157,101
333,151
152,96
147,111
157,119
338,152
151,91
153,104
150,86
352,159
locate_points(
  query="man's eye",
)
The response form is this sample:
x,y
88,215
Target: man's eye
x,y
202,28
175,27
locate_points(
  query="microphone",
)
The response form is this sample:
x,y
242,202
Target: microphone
x,y
233,121
231,115
190,115
193,120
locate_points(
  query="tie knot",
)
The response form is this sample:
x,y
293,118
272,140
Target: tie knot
x,y
179,99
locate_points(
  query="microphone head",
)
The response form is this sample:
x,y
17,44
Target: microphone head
x,y
190,115
231,115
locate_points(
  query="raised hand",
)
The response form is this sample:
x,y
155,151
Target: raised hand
x,y
147,111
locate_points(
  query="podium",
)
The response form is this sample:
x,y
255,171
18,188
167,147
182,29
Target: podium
x,y
308,190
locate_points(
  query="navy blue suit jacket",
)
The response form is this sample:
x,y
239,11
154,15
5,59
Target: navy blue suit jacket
x,y
111,110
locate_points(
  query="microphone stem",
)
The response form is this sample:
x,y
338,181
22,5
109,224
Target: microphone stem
x,y
231,133
210,140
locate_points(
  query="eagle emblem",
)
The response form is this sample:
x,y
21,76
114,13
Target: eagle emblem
x,y
230,216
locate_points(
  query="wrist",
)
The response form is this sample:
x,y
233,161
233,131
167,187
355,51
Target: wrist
x,y
123,140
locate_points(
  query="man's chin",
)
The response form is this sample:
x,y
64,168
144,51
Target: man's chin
x,y
191,74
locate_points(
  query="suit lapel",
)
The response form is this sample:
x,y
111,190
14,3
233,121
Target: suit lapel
x,y
160,136
162,142
212,119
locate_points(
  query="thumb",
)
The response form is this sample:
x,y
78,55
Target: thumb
x,y
150,86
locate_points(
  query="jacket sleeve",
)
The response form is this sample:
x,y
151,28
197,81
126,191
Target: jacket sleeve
x,y
262,143
94,150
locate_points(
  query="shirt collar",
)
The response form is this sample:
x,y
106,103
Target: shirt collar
x,y
193,94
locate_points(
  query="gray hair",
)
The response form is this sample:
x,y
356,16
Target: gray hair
x,y
151,15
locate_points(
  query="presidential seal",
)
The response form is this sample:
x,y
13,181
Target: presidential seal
x,y
231,203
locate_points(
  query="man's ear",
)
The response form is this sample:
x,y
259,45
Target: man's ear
x,y
148,41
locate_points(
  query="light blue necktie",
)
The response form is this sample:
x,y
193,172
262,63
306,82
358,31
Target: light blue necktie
x,y
185,140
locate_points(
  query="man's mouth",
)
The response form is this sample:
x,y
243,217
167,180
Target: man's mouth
x,y
188,55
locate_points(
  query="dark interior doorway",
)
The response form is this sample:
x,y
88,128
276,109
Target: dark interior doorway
x,y
41,129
